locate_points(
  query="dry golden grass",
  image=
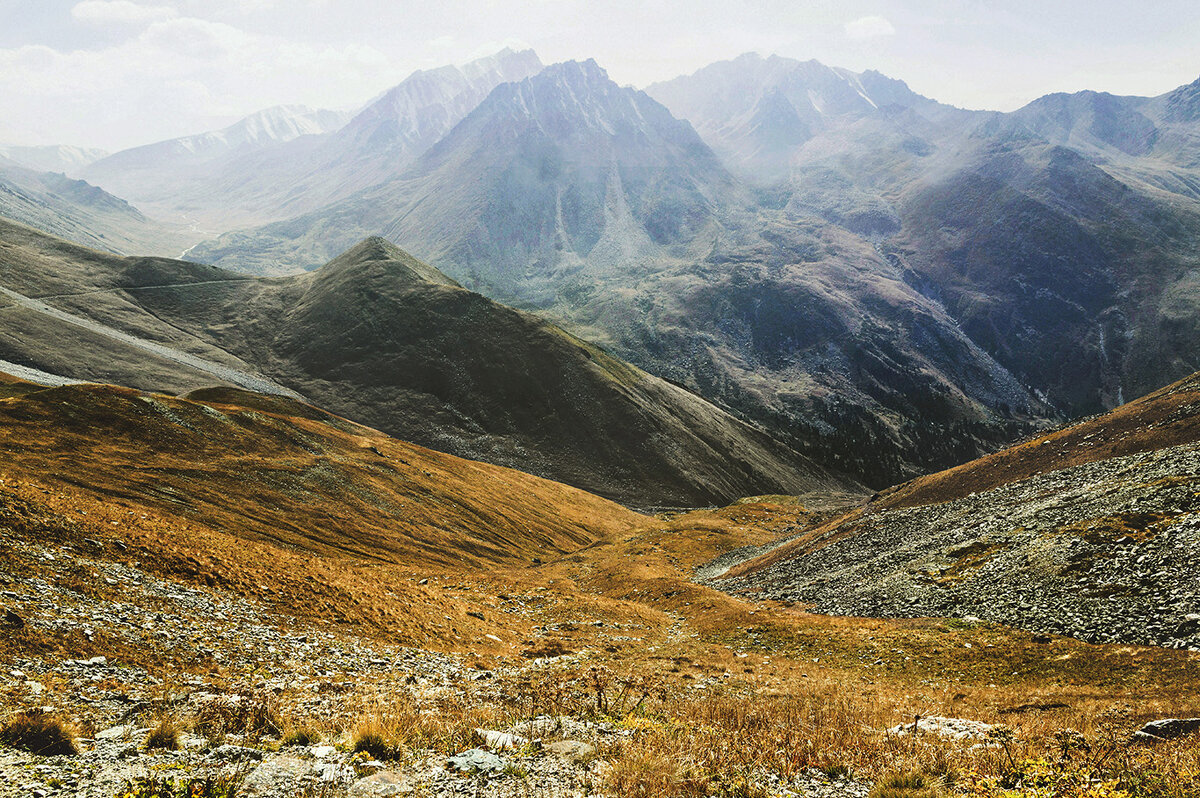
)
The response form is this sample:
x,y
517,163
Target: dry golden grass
x,y
39,732
164,735
784,691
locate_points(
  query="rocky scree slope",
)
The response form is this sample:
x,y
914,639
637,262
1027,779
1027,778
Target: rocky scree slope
x,y
117,630
1090,532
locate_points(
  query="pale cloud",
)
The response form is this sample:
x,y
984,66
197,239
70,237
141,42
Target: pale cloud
x,y
495,46
178,76
119,12
441,42
869,28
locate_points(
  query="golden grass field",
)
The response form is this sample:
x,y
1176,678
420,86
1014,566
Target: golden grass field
x,y
336,526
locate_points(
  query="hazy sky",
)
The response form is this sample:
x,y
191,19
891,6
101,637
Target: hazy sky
x,y
115,73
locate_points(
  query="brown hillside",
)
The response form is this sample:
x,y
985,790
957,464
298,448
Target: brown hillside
x,y
274,471
1164,418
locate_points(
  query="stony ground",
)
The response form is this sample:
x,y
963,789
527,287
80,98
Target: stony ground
x,y
1103,552
241,661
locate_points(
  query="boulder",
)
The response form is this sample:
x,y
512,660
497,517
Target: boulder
x,y
476,760
1166,729
572,751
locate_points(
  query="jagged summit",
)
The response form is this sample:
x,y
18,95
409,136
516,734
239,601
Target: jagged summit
x,y
572,95
386,258
1183,104
755,111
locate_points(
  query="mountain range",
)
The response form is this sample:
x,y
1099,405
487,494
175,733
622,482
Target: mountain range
x,y
290,159
888,284
389,341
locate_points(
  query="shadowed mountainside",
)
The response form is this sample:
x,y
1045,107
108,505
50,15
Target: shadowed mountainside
x,y
385,339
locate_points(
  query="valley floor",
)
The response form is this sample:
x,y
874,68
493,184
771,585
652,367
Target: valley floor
x,y
615,672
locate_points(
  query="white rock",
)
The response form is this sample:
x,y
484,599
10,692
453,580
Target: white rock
x,y
954,728
114,733
498,740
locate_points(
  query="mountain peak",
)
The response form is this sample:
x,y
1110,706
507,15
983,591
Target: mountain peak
x,y
588,71
395,262
1183,104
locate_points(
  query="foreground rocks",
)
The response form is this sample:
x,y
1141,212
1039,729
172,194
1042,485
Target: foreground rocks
x,y
1167,729
238,669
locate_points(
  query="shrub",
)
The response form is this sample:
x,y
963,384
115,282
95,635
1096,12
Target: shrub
x,y
253,715
301,735
39,733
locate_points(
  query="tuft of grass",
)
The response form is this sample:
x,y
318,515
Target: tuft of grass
x,y
164,736
301,735
376,738
39,733
254,715
907,784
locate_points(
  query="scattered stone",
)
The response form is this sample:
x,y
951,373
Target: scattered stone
x,y
499,741
13,621
1166,729
274,777
572,751
385,782
233,753
953,728
322,751
115,733
476,760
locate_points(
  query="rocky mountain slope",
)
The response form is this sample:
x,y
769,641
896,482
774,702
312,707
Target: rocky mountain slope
x,y
389,341
52,157
289,160
80,212
590,202
1059,237
1090,532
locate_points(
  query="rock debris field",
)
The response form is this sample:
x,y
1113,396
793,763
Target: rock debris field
x,y
270,666
1103,552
